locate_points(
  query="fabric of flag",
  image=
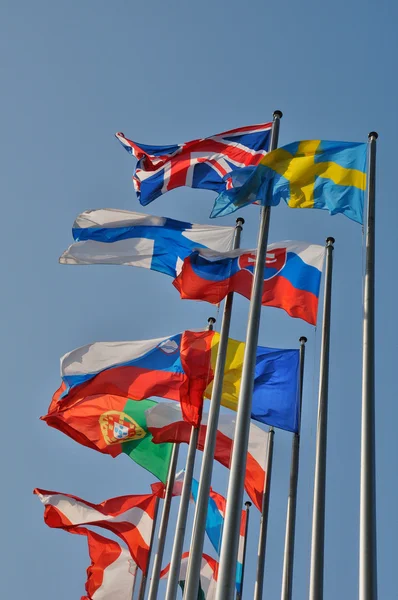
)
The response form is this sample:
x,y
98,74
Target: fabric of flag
x,y
166,424
292,277
205,163
112,572
119,237
112,425
208,575
215,524
176,367
159,489
129,517
306,174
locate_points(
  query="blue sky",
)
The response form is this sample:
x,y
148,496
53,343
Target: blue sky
x,y
72,75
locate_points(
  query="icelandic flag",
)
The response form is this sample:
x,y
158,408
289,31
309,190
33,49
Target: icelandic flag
x,y
292,277
206,163
119,237
215,523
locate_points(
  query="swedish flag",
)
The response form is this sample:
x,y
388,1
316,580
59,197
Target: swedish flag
x,y
307,174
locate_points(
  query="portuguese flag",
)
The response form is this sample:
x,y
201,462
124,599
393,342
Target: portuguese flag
x,y
113,425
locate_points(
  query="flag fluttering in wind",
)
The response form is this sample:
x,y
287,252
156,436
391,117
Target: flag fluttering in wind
x,y
175,367
166,424
204,163
307,174
119,237
214,526
208,575
112,571
159,489
113,425
292,277
129,517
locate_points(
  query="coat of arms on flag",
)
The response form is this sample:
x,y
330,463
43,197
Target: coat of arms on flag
x,y
117,426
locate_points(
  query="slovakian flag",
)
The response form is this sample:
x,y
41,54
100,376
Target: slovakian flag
x,y
118,237
112,572
175,367
113,425
215,524
292,277
129,517
166,424
206,163
208,575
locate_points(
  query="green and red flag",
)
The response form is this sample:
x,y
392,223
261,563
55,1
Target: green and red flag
x,y
113,425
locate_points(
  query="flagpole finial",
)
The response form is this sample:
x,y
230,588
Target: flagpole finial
x,y
248,504
373,134
303,340
240,221
211,321
278,113
330,241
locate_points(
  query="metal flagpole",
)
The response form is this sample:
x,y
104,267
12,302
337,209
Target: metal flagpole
x,y
144,578
262,542
229,547
288,557
367,535
318,511
175,563
199,526
157,564
239,594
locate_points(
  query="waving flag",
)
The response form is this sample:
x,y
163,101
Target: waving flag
x,y
292,277
307,174
204,163
215,523
119,237
112,572
166,424
129,517
159,489
208,575
176,367
113,425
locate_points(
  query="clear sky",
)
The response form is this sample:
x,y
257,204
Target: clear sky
x,y
72,74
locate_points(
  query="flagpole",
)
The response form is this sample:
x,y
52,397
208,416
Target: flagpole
x,y
240,593
135,581
199,526
157,564
262,542
230,542
318,514
367,535
175,563
288,557
144,578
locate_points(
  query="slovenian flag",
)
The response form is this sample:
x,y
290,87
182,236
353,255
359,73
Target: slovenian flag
x,y
292,277
166,423
129,517
118,237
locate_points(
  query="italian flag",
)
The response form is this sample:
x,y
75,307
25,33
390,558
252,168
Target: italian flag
x,y
113,425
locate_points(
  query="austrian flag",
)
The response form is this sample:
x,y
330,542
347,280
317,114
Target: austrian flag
x,y
206,163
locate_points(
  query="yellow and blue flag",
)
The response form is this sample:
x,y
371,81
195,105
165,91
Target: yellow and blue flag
x,y
306,174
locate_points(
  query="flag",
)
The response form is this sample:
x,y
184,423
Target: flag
x,y
112,571
306,174
113,425
129,517
208,575
292,277
119,237
176,367
205,163
215,524
166,424
159,489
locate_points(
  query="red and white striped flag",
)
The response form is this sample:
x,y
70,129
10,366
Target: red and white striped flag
x,y
112,572
129,517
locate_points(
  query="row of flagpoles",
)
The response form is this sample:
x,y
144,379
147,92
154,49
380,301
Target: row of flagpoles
x,y
231,533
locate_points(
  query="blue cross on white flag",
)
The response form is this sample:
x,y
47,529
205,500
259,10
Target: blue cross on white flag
x,y
119,237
